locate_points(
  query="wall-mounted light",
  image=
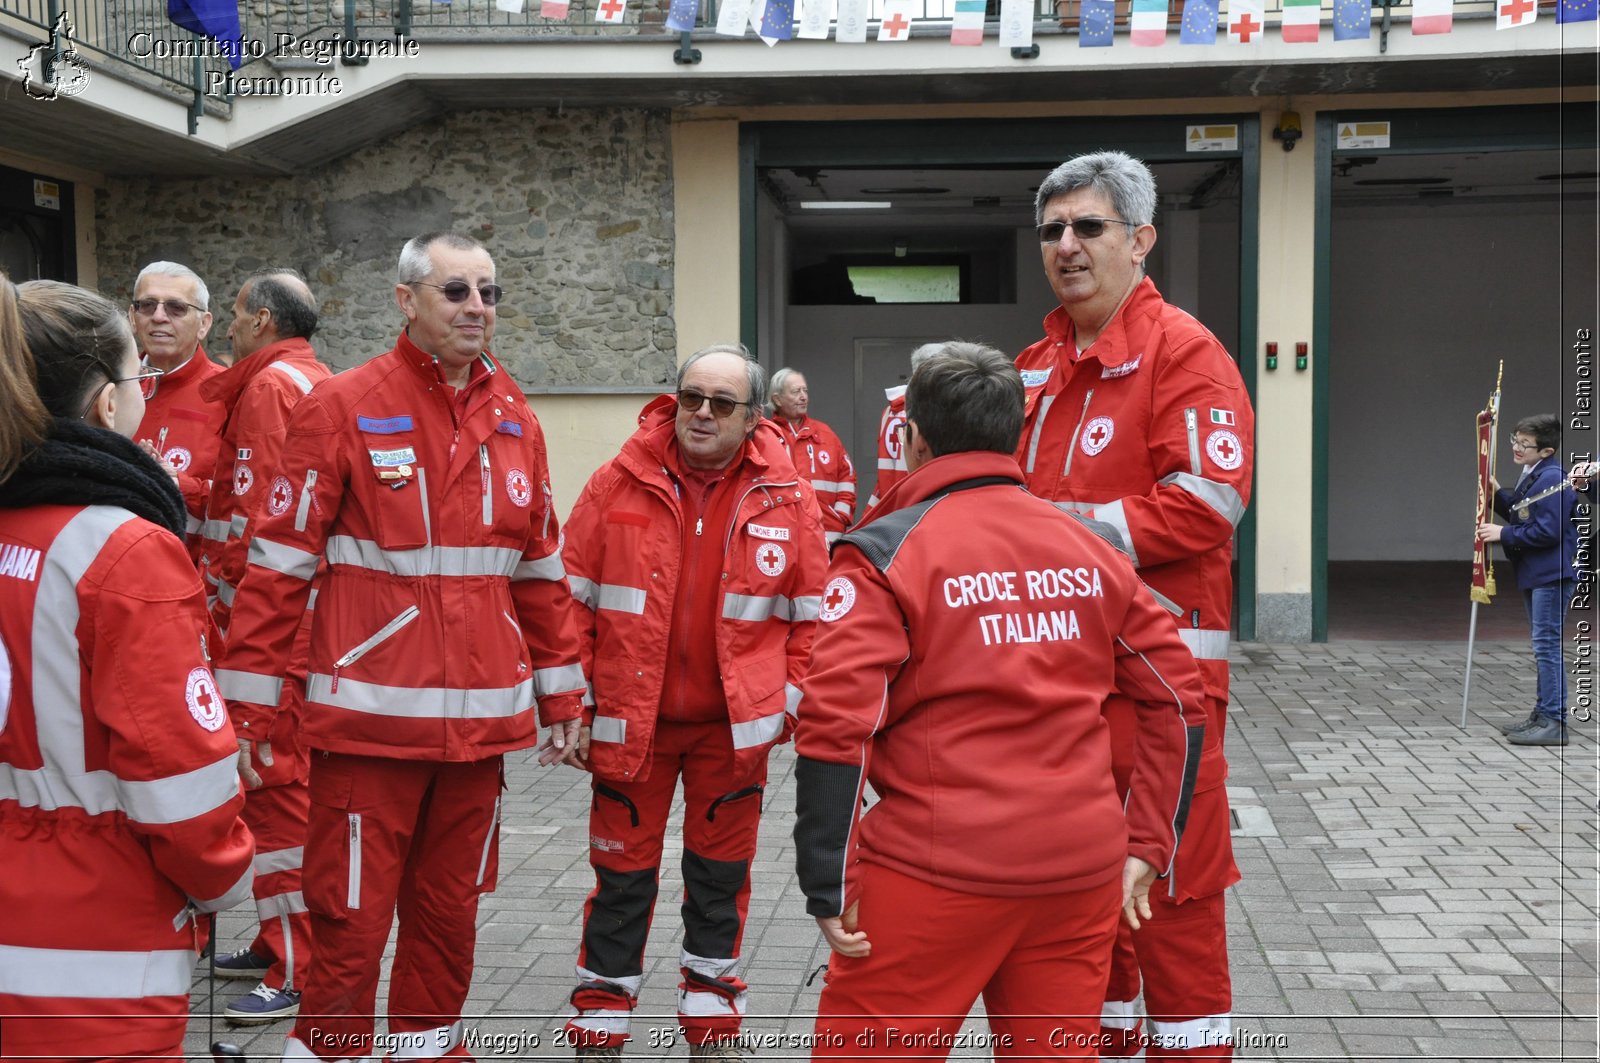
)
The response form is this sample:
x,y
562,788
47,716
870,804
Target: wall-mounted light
x,y
1288,129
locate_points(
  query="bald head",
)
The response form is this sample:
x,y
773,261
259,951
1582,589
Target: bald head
x,y
273,305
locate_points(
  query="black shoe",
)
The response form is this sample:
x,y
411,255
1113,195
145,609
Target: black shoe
x,y
1548,731
1520,725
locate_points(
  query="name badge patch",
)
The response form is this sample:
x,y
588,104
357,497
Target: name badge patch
x,y
761,531
1032,378
385,426
510,428
390,459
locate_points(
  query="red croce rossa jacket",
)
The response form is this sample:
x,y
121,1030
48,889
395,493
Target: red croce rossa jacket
x,y
623,551
184,427
444,612
819,455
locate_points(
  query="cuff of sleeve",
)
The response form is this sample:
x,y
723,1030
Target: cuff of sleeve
x,y
251,721
560,708
1157,856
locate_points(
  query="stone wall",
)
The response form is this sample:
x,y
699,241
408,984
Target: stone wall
x,y
576,209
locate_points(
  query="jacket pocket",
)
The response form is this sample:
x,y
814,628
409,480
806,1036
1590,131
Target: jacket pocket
x,y
332,883
378,638
400,515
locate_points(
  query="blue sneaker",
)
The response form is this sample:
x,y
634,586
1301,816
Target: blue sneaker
x,y
263,1004
241,964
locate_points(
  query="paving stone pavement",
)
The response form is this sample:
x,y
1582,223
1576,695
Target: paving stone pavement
x,y
1411,890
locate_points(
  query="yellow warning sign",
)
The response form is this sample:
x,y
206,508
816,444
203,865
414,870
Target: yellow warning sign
x,y
1211,138
1362,135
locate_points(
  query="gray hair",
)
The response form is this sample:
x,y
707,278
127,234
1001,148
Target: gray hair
x,y
754,374
923,353
1126,181
202,294
292,314
416,264
966,397
781,377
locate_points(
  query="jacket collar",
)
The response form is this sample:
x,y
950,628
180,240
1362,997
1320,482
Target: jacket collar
x,y
225,386
1111,349
936,475
197,363
427,366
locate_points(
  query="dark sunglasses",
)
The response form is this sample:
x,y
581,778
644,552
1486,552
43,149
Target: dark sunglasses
x,y
691,401
461,291
176,308
1051,232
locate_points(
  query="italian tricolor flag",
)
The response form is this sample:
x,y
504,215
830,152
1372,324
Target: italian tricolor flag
x,y
966,27
1431,16
1302,21
1147,27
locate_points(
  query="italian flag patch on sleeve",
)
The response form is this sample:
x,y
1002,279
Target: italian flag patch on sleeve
x,y
1221,416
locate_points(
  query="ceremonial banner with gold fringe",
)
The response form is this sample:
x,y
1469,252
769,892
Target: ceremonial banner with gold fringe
x,y
1483,589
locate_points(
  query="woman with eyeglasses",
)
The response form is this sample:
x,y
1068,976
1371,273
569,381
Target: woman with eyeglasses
x,y
119,792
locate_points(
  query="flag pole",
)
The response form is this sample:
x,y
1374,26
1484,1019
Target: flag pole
x,y
1483,587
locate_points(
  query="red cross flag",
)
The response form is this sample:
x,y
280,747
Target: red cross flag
x,y
1511,14
896,24
611,10
1246,21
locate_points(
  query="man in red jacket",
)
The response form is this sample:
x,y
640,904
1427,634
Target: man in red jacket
x,y
891,449
273,368
969,635
170,315
697,556
817,451
443,636
1137,417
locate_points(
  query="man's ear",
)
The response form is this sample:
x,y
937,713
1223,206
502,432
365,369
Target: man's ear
x,y
1144,241
405,297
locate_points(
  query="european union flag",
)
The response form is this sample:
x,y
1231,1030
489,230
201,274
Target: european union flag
x,y
1199,22
1094,24
217,19
681,16
1575,10
777,21
1352,20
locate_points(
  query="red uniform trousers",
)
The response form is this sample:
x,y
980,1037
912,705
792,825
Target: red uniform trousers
x,y
276,815
421,836
1182,951
1039,962
627,822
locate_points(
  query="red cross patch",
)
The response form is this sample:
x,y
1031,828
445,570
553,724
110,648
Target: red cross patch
x,y
179,458
280,497
891,436
518,488
770,558
837,598
242,478
205,701
1096,435
824,457
1224,448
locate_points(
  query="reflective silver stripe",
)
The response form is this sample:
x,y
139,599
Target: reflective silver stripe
x,y
791,699
1119,1015
583,591
173,799
87,975
712,969
422,496
1219,496
833,485
270,863
609,729
1113,514
488,841
832,537
1038,427
612,1021
753,733
226,592
758,607
287,560
1205,644
352,887
238,524
236,894
215,531
425,1044
1076,507
300,379
451,561
1208,1031
1166,603
1077,434
280,904
1192,427
307,490
560,680
613,596
843,509
546,568
421,703
191,524
250,686
888,464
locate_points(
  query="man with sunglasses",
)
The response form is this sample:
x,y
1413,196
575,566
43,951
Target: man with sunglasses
x,y
443,637
1138,418
170,316
697,554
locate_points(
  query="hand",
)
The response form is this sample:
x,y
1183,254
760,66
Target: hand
x,y
1136,879
166,466
247,771
1489,533
562,744
841,933
1583,472
1494,485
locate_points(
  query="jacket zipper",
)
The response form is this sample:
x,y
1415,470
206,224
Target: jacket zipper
x,y
1072,444
520,637
1191,423
301,514
407,615
352,890
488,502
811,455
422,498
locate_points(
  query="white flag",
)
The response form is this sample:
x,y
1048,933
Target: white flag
x,y
814,18
1016,23
897,18
732,16
513,6
852,28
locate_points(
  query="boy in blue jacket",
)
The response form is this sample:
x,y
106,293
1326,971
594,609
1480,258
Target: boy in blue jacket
x,y
1541,541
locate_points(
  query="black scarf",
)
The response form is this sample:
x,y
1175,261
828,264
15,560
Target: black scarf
x,y
80,465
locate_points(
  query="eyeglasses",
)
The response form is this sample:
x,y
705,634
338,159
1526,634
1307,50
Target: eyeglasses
x,y
175,308
691,401
461,291
1517,444
1051,232
146,376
